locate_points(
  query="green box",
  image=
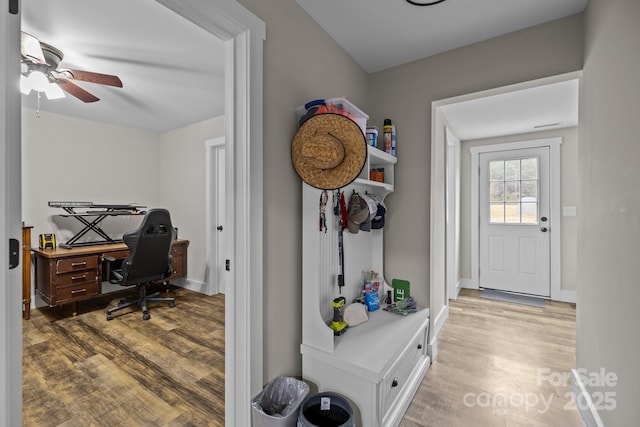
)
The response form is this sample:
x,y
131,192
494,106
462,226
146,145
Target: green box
x,y
400,289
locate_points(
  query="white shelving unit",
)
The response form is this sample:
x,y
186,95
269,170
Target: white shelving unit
x,y
379,364
376,159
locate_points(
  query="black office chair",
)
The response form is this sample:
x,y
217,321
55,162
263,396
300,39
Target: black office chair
x,y
149,261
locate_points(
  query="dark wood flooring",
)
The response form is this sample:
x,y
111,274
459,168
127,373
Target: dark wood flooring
x,y
84,371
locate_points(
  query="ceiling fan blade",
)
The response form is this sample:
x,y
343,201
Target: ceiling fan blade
x,y
30,48
91,77
76,90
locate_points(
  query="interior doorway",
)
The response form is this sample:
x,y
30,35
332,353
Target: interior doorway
x,y
440,229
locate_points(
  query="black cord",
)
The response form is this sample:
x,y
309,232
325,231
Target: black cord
x,y
415,3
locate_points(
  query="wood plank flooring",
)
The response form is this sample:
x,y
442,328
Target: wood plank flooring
x,y
494,367
86,371
169,371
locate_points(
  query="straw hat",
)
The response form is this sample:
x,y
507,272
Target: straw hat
x,y
329,151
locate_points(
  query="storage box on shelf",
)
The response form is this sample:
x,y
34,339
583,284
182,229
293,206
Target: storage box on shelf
x,y
379,364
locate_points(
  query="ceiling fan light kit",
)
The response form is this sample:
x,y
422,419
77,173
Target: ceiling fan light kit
x,y
39,82
40,72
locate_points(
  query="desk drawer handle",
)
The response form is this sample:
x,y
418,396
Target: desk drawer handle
x,y
79,264
73,278
79,291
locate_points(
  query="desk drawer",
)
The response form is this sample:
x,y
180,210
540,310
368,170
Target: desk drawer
x,y
77,278
76,292
68,265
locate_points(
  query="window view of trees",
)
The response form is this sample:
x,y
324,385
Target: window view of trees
x,y
513,192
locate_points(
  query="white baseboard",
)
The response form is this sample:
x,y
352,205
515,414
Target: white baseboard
x,y
193,285
438,323
440,319
432,349
587,410
457,291
567,296
468,284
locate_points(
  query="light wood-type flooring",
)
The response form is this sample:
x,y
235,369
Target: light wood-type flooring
x,y
86,371
500,364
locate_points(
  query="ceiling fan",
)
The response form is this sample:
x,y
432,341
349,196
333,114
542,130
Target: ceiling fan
x,y
39,71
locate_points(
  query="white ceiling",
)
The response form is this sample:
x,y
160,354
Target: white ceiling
x,y
172,71
534,109
380,34
384,33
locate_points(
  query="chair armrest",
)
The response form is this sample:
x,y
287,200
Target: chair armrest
x,y
109,272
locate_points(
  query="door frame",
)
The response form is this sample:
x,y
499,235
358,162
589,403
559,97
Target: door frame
x,y
438,301
452,194
555,218
10,217
243,35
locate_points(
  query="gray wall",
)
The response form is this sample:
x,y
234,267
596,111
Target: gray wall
x,y
608,330
405,94
301,63
70,159
568,197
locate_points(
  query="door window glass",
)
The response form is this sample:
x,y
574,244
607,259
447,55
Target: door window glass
x,y
513,191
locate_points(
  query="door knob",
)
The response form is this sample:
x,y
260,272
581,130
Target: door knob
x,y
543,219
544,229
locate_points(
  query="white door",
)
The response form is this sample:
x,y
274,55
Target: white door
x,y
217,225
222,227
514,221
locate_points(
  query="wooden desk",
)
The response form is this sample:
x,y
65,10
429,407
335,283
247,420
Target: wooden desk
x,y
71,275
26,271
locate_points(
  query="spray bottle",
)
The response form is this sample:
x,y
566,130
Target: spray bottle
x,y
387,132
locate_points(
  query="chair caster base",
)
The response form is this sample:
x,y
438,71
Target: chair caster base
x,y
109,317
172,304
146,316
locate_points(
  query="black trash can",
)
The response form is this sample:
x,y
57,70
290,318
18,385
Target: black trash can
x,y
326,409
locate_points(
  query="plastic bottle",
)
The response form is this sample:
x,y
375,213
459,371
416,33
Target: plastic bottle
x,y
393,140
387,132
